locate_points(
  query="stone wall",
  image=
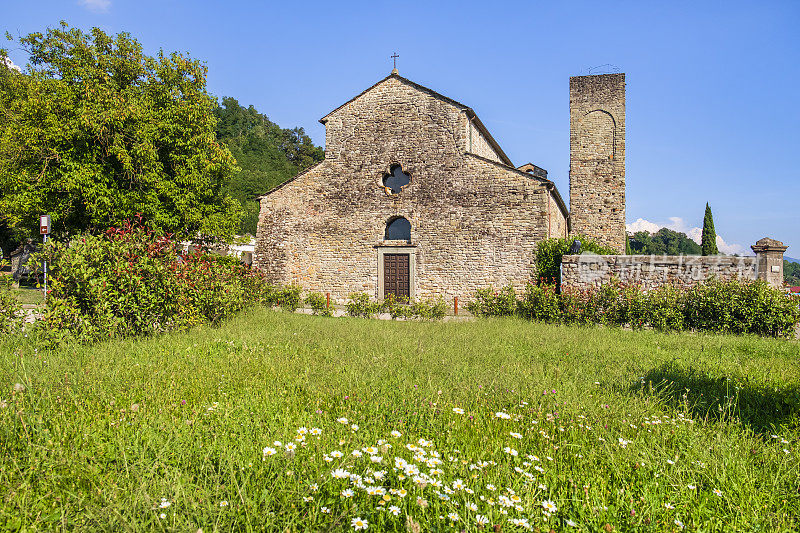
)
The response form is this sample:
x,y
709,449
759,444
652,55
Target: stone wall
x,y
588,270
652,271
478,144
474,222
597,158
558,222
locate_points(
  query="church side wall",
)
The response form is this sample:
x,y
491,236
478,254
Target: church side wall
x,y
473,223
478,145
558,222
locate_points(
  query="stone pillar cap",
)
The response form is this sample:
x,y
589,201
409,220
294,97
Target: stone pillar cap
x,y
395,71
768,245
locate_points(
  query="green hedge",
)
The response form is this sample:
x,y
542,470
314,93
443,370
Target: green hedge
x,y
717,306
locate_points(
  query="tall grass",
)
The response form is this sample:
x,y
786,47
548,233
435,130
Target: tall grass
x,y
631,429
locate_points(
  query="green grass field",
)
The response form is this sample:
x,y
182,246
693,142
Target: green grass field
x,y
28,295
496,422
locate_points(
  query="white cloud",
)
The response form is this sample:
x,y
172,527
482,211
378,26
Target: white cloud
x,y
10,64
98,6
642,225
694,233
731,249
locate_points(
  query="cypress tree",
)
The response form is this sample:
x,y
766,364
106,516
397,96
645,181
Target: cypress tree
x,y
709,238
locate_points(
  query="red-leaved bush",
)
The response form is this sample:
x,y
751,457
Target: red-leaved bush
x,y
130,281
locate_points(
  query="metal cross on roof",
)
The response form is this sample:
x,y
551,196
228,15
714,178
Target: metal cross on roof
x,y
394,57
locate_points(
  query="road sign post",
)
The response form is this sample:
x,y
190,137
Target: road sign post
x,y
44,229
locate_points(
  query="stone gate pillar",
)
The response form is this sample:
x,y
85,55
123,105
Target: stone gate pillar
x,y
769,260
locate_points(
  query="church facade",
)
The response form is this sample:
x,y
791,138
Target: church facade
x,y
416,198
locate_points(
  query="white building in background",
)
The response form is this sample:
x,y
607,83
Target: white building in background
x,y
240,250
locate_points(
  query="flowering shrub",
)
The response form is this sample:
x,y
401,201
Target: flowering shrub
x,y
540,302
129,281
729,306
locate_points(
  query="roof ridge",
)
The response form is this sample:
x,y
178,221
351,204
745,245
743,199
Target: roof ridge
x,y
468,110
405,80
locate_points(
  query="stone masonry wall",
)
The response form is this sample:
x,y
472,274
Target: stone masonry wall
x,y
597,157
588,270
474,222
478,145
558,222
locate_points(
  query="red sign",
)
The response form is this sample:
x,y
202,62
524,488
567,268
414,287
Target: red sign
x,y
44,224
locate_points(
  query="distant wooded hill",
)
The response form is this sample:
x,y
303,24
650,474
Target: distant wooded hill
x,y
664,241
267,154
791,272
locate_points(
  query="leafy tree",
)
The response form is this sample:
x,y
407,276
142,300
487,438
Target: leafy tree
x,y
709,238
549,253
664,241
267,154
791,273
95,131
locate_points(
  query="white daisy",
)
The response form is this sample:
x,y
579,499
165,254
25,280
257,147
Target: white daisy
x,y
340,473
358,523
549,506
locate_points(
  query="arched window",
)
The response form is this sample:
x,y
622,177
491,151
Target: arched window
x,y
398,229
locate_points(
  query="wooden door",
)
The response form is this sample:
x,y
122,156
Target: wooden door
x,y
396,275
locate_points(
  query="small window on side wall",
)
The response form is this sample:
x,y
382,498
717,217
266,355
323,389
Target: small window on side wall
x,y
396,180
398,229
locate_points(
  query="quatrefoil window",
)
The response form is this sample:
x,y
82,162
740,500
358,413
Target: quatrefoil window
x,y
396,180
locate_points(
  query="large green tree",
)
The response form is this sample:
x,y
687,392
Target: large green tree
x,y
791,273
267,154
664,241
95,131
708,240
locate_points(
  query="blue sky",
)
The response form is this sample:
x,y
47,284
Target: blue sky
x,y
712,112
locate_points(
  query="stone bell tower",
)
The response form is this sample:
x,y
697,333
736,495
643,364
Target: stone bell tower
x,y
597,158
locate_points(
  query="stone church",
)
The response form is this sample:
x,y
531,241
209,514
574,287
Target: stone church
x,y
416,198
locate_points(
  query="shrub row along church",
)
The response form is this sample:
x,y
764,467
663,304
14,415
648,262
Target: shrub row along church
x,y
416,198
